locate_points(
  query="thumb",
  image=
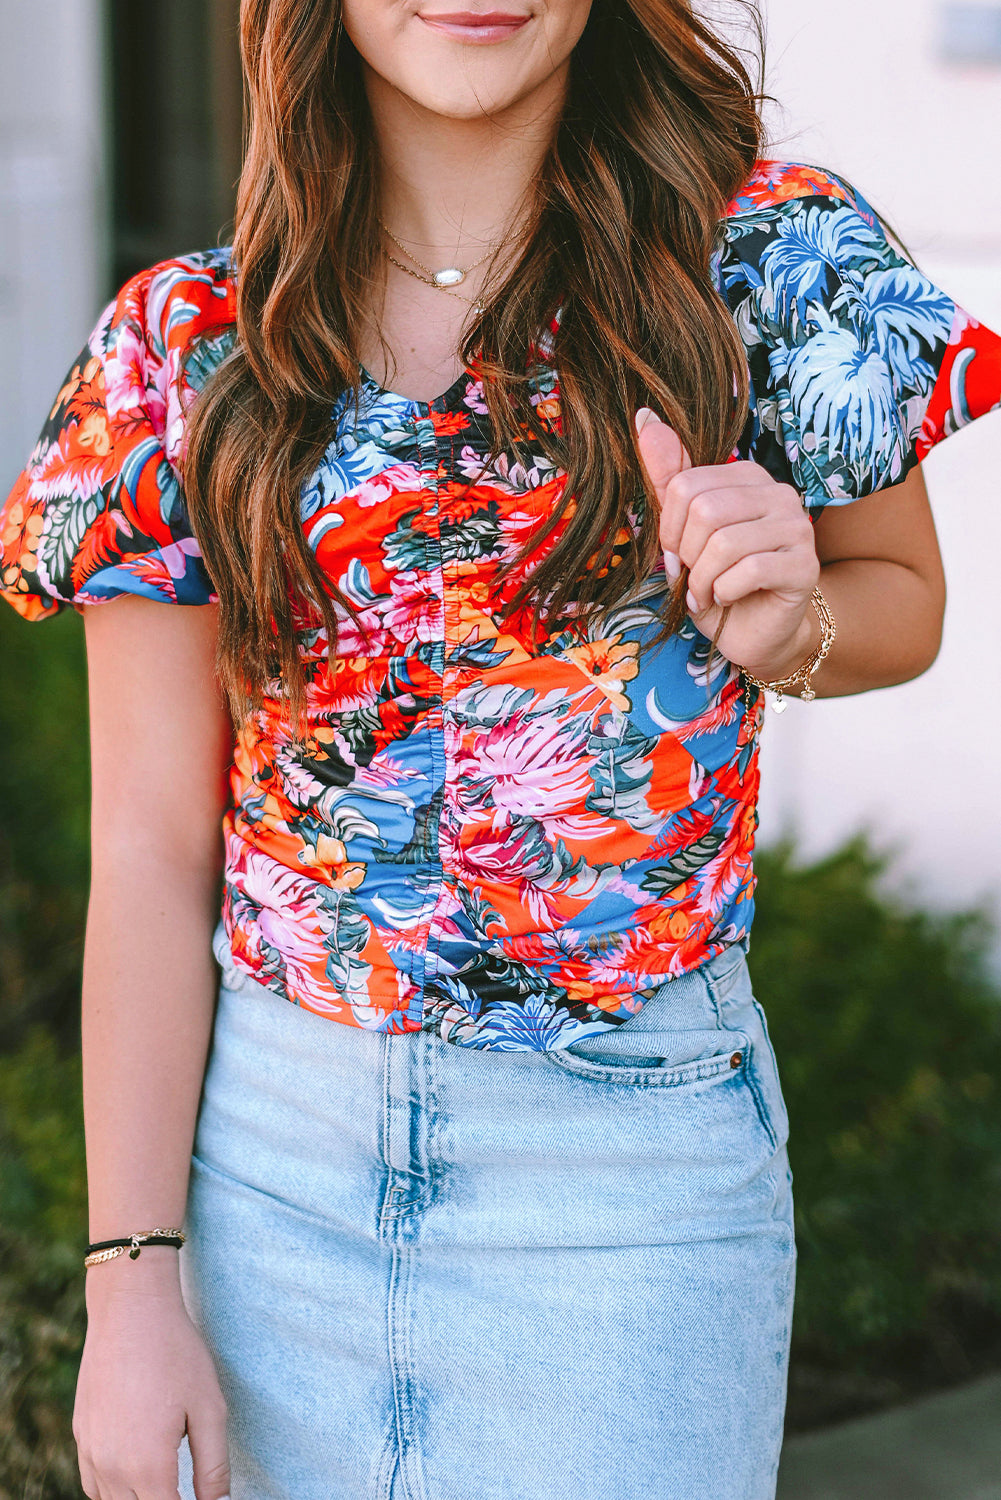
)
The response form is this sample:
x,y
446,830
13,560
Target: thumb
x,y
661,450
209,1454
664,456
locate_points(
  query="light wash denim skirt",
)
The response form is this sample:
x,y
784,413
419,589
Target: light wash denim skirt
x,y
431,1273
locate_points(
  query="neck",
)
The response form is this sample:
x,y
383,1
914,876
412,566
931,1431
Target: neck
x,y
449,186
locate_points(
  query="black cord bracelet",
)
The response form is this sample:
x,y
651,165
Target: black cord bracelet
x,y
152,1239
103,1250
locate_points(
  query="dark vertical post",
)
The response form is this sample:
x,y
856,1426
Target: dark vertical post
x,y
176,112
227,102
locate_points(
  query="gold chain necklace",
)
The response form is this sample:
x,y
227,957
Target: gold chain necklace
x,y
475,302
448,276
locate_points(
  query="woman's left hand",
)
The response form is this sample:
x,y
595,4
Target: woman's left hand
x,y
748,544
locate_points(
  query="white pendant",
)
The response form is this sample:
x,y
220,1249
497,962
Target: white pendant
x,y
451,276
779,705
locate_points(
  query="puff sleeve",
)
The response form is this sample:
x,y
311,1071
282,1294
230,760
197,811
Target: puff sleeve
x,y
99,510
859,363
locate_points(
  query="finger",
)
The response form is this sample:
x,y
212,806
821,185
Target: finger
x,y
663,456
773,572
737,475
209,1452
88,1480
715,510
722,494
142,1487
730,544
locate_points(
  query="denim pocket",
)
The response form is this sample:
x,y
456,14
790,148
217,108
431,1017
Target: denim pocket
x,y
653,1059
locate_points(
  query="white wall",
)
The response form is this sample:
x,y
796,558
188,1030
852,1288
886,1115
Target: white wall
x,y
865,89
867,92
52,206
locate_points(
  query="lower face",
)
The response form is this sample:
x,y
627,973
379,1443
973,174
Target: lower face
x,y
463,59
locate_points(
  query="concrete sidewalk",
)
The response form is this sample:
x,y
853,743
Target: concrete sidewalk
x,y
945,1447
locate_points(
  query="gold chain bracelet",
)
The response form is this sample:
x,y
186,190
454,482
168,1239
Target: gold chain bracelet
x,y
804,673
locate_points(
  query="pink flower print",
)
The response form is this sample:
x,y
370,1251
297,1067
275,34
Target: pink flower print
x,y
175,555
415,610
178,398
384,773
530,768
127,387
383,486
475,399
367,635
520,862
124,379
281,913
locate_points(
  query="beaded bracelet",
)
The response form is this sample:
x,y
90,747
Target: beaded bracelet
x,y
804,673
104,1250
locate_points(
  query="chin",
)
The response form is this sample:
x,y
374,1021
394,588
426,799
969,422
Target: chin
x,y
462,97
467,109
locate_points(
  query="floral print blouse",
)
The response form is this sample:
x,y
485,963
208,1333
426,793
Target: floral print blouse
x,y
508,837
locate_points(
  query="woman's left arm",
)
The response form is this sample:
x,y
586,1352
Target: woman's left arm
x,y
751,548
881,572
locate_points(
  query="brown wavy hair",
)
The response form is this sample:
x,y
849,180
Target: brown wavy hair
x,y
660,129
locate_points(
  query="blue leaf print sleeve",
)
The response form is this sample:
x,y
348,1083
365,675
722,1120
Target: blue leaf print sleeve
x,y
859,363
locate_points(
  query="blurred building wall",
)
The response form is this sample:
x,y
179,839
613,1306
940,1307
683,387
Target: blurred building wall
x,y
53,201
119,146
885,92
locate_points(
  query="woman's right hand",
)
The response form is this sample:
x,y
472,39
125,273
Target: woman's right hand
x,y
146,1378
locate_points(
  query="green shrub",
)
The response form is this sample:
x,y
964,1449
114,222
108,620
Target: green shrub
x,y
888,1034
44,773
42,1240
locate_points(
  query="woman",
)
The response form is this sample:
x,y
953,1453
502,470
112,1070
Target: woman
x,y
500,1204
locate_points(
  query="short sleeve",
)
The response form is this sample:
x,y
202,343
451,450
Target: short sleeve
x,y
99,510
859,363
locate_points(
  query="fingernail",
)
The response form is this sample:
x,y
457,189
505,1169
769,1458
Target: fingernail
x,y
642,417
692,602
672,566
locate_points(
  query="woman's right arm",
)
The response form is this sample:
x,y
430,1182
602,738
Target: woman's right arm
x,y
161,742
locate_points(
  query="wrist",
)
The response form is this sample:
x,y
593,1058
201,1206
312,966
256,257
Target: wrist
x,y
802,644
155,1272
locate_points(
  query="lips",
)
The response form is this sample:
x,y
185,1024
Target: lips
x,y
475,26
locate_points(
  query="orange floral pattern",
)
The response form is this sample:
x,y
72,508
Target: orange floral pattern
x,y
503,835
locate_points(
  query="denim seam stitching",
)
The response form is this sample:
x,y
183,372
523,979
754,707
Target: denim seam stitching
x,y
386,1214
409,1444
713,986
389,1462
396,1294
433,1172
760,1105
390,1186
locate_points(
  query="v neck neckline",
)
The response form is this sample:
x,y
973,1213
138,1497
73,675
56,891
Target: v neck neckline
x,y
443,403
